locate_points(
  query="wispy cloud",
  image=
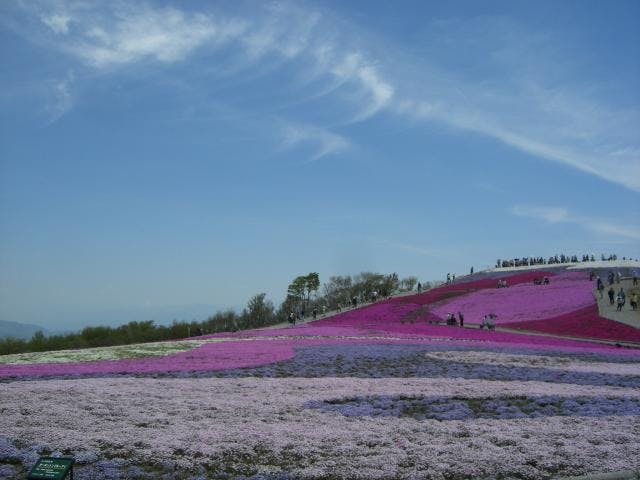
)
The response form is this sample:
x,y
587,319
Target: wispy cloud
x,y
415,249
527,101
58,23
554,215
112,35
61,97
132,34
548,214
323,142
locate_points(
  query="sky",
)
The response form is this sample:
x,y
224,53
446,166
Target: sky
x,y
168,159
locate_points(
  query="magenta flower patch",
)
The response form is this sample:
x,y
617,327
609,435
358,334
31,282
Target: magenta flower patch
x,y
523,302
586,323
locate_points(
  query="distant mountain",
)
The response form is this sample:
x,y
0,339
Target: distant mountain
x,y
19,330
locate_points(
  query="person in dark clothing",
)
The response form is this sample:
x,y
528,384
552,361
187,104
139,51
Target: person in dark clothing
x,y
612,294
315,312
461,317
620,301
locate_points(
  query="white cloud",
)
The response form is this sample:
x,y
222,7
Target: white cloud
x,y
130,34
413,249
353,68
322,141
561,215
62,99
548,214
620,166
59,23
419,250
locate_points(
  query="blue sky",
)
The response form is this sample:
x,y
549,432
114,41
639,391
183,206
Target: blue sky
x,y
162,160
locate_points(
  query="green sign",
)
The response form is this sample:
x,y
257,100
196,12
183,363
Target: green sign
x,y
51,468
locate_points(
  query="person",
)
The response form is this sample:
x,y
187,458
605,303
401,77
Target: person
x,y
623,296
453,277
315,312
324,310
633,300
611,292
471,271
292,318
601,288
461,317
620,301
419,287
635,278
598,282
448,278
339,308
545,281
591,275
487,322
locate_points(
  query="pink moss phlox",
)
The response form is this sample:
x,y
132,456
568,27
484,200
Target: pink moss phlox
x,y
586,323
523,302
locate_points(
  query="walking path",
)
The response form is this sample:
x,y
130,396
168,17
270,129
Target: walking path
x,y
627,315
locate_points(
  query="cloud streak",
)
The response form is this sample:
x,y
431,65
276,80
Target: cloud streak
x,y
322,141
557,215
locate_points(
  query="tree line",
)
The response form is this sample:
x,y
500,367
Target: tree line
x,y
303,294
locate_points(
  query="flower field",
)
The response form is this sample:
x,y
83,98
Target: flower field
x,y
376,392
524,301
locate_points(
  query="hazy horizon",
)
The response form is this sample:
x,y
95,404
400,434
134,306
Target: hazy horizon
x,y
167,157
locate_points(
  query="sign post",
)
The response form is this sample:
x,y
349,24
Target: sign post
x,y
52,468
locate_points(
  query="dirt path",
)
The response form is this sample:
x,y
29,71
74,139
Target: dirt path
x,y
627,315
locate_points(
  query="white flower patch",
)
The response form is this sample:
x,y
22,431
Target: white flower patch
x,y
138,350
540,361
256,425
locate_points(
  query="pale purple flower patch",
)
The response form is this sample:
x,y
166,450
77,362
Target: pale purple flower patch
x,y
461,408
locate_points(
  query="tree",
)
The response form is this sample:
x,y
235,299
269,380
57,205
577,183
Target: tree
x,y
409,282
297,288
312,284
260,312
337,290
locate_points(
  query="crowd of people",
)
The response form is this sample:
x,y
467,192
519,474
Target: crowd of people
x,y
618,299
556,259
452,321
